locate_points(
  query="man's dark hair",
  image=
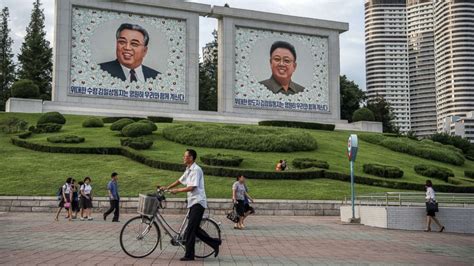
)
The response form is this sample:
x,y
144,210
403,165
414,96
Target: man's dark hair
x,y
114,174
192,153
428,183
128,26
69,180
284,45
87,178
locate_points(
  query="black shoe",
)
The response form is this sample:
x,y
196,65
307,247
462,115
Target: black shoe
x,y
186,259
216,249
105,217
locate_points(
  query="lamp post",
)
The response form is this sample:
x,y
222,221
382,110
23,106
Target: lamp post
x,y
352,147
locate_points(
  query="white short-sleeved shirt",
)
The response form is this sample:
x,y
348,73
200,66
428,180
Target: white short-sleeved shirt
x,y
430,194
194,177
67,188
239,190
86,188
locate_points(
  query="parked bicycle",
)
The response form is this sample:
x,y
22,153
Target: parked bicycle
x,y
141,235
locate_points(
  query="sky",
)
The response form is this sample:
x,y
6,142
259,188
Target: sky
x,y
350,11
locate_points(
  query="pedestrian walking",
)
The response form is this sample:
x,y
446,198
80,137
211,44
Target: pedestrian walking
x,y
241,199
65,199
75,199
86,198
431,207
112,188
193,179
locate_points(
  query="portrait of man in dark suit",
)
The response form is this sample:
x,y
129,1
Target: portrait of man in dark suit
x,y
283,65
130,49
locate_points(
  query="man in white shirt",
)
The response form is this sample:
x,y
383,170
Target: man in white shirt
x,y
130,50
193,180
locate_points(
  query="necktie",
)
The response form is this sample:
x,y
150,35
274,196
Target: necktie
x,y
133,76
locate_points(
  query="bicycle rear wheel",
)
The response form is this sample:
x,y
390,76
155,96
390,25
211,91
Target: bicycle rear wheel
x,y
139,237
202,250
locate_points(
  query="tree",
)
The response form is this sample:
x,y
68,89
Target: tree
x,y
363,114
36,56
351,97
7,67
208,77
383,113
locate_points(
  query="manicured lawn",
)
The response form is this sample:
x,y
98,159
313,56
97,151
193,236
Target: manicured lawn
x,y
25,172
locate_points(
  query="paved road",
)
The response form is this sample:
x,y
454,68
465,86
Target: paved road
x,y
33,238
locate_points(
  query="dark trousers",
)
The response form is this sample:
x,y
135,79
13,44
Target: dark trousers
x,y
194,230
114,205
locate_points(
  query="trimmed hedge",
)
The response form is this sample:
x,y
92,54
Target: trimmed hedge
x,y
25,88
66,139
139,143
221,160
25,135
469,174
307,125
433,171
363,114
93,122
51,117
305,163
113,119
150,124
46,128
12,125
120,124
160,119
456,141
246,138
137,129
233,172
382,170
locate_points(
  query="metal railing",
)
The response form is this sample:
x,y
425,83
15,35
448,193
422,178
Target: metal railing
x,y
412,199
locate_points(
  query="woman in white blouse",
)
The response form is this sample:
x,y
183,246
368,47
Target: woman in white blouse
x,y
86,198
65,199
430,214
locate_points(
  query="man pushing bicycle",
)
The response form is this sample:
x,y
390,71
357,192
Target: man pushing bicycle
x,y
193,180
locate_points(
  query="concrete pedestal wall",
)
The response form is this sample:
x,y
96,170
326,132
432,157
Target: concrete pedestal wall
x,y
455,219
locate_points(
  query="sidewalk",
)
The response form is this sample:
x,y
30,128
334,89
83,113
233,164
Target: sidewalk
x,y
34,238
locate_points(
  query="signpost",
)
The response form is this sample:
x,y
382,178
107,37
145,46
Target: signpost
x,y
352,146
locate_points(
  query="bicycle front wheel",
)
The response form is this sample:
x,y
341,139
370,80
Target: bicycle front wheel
x,y
202,250
139,237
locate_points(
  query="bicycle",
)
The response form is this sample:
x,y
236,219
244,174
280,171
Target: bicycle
x,y
141,235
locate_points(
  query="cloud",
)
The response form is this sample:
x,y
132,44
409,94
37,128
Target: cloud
x,y
352,42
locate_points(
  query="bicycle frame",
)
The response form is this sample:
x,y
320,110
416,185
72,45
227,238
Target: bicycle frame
x,y
176,236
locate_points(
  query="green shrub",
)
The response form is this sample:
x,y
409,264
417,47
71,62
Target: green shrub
x,y
11,125
221,160
113,119
363,114
25,88
371,138
160,119
307,125
137,129
120,124
140,143
433,171
304,163
456,141
241,137
25,135
383,170
51,117
47,128
93,122
469,174
66,139
150,124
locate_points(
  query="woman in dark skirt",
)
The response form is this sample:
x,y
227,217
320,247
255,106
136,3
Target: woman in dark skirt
x,y
239,197
75,199
86,197
430,213
66,199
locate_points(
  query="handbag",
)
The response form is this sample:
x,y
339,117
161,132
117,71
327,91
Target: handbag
x,y
432,206
67,205
233,216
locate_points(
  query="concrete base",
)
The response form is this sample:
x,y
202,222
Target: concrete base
x,y
455,219
37,106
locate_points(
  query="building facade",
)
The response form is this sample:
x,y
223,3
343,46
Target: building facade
x,y
386,56
460,126
454,53
421,61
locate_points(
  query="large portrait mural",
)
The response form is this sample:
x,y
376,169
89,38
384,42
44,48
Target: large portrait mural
x,y
280,71
127,56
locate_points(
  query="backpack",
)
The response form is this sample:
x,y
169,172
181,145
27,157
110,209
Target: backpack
x,y
59,193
